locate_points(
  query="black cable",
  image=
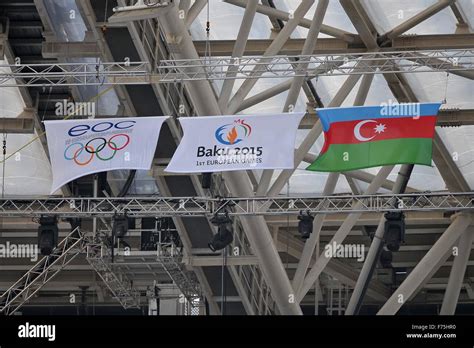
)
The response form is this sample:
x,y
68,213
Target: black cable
x,y
127,184
223,283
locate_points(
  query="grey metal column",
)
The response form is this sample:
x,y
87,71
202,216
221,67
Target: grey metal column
x,y
458,270
313,241
273,49
297,83
375,248
308,48
417,19
341,234
194,11
237,52
256,229
430,263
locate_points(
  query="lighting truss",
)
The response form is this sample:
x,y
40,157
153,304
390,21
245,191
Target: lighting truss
x,y
203,206
99,257
184,280
41,273
75,74
214,68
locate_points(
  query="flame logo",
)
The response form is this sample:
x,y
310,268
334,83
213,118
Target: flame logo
x,y
232,135
234,132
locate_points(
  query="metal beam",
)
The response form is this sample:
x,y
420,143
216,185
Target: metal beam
x,y
275,46
264,95
297,82
430,263
194,11
256,47
244,206
212,261
202,69
340,235
237,52
335,268
458,270
51,49
417,19
285,16
448,169
17,125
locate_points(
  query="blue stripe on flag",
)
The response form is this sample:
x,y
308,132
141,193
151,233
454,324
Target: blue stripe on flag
x,y
331,115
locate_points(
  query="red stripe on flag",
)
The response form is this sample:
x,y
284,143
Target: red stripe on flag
x,y
389,128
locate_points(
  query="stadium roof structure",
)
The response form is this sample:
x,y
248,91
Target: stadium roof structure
x,y
186,58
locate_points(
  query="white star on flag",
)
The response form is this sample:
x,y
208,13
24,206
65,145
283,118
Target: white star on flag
x,y
380,128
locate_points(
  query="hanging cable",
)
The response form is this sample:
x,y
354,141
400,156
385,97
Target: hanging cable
x,y
47,103
4,163
446,88
207,53
223,282
104,26
287,227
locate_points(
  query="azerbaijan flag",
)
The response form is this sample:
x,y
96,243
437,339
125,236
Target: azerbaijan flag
x,y
372,136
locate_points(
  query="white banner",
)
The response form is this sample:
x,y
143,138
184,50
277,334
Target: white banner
x,y
239,142
82,147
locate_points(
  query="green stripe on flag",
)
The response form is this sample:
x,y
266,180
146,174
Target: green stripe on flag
x,y
344,157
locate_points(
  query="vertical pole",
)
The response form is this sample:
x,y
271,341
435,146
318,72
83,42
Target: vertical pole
x,y
95,194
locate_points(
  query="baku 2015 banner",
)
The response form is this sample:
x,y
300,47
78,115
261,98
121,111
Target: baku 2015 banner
x,y
82,147
239,142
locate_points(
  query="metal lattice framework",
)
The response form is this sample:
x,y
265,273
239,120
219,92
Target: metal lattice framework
x,y
170,259
211,68
75,74
205,206
99,257
41,273
180,66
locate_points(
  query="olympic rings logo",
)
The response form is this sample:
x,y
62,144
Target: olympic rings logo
x,y
74,151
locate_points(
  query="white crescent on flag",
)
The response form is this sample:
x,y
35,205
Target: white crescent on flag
x,y
357,128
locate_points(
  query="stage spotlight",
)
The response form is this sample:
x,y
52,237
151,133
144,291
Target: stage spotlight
x,y
206,181
305,225
47,234
386,258
120,226
394,230
224,235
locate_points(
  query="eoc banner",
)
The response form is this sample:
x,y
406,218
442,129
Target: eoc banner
x,y
82,147
239,142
